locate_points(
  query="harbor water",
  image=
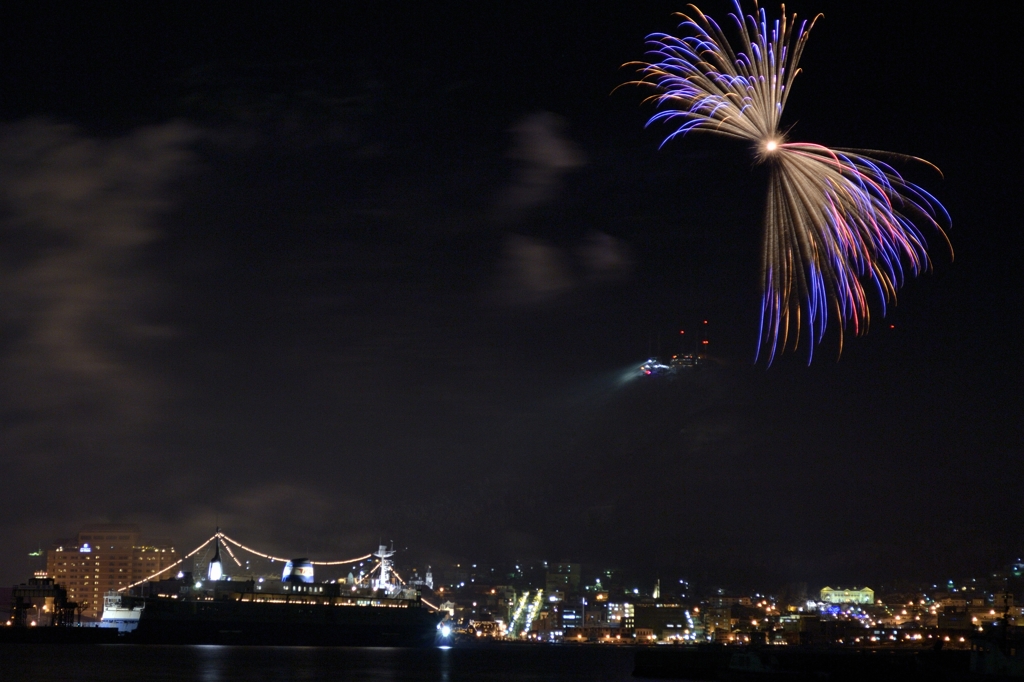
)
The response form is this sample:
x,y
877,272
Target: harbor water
x,y
109,663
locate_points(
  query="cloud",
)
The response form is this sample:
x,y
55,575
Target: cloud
x,y
78,212
605,258
533,271
545,155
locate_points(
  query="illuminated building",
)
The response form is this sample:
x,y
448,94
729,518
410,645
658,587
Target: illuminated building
x,y
104,557
718,619
426,581
572,616
839,596
621,615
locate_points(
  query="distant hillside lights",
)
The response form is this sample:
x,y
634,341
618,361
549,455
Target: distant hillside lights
x,y
864,595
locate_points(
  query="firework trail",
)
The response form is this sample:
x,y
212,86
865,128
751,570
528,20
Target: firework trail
x,y
835,219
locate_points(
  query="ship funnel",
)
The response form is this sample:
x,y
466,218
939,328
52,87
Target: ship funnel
x,y
297,571
216,569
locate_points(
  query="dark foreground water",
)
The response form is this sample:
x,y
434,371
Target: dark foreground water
x,y
223,663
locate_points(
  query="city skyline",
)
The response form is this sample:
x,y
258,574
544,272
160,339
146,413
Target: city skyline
x,y
157,559
546,602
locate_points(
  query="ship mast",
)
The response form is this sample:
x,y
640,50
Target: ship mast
x,y
383,581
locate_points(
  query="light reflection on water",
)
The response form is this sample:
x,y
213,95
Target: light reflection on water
x,y
234,664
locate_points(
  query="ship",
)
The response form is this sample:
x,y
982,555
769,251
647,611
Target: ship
x,y
116,614
292,611
321,616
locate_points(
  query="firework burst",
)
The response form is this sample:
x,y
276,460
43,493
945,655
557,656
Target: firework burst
x,y
835,219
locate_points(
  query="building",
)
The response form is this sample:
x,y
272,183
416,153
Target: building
x,y
721,600
718,619
664,620
621,615
563,577
6,601
40,602
864,595
723,616
953,618
104,557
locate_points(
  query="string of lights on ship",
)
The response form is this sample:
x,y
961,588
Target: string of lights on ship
x,y
227,541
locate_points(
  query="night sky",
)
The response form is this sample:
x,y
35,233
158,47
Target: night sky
x,y
334,276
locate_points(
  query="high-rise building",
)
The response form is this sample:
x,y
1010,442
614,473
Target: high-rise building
x,y
105,557
564,577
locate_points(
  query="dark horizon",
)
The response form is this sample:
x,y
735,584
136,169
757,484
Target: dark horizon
x,y
325,276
